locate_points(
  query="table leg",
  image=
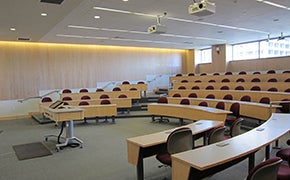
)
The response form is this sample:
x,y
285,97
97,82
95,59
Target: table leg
x,y
140,169
251,162
267,152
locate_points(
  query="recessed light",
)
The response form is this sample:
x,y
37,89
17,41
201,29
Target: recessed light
x,y
275,20
12,29
125,0
97,17
43,14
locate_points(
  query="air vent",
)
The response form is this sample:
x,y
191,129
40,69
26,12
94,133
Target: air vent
x,y
52,1
23,39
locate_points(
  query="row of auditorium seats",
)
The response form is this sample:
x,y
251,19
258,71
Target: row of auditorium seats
x,y
225,80
253,88
86,97
97,90
231,73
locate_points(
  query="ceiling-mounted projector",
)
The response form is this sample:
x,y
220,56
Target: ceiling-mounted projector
x,y
204,8
157,29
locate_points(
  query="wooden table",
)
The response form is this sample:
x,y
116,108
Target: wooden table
x,y
120,102
144,146
249,109
191,112
200,162
67,115
104,110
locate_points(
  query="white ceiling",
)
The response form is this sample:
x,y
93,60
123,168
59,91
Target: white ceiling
x,y
257,19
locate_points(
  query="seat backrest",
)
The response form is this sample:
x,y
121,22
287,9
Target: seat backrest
x,y
228,73
216,74
122,96
85,97
162,100
133,89
209,88
195,87
176,95
203,74
272,80
184,81
287,90
99,90
271,72
83,103
240,80
226,80
235,108
211,81
203,103
191,74
225,88
185,101
265,100
256,72
104,96
46,99
181,87
83,90
210,96
125,82
220,105
246,98
179,140
116,89
256,80
66,98
265,170
287,80
105,101
178,75
140,82
239,88
255,88
242,72
228,97
273,89
192,95
216,135
66,91
235,128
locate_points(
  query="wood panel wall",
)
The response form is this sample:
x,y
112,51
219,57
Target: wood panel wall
x,y
27,68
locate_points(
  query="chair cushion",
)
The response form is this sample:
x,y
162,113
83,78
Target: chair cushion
x,y
164,158
284,154
284,172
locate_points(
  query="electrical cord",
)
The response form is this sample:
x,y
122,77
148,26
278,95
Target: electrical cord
x,y
73,145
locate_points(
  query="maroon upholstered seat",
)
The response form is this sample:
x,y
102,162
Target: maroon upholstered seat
x,y
273,89
210,96
125,82
256,80
191,74
104,96
99,90
255,88
184,81
192,95
226,80
185,102
176,95
209,88
220,105
85,97
228,97
242,72
83,90
225,88
67,98
246,98
181,87
235,109
46,99
116,89
203,103
240,80
66,91
265,100
240,88
195,87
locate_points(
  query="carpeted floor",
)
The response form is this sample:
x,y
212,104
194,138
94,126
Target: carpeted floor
x,y
103,157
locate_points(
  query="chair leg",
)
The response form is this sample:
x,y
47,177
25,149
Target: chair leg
x,y
153,118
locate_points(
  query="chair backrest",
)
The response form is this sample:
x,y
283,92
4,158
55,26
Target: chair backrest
x,y
235,128
83,90
46,99
220,105
178,74
240,80
162,100
116,89
133,89
287,80
66,98
184,81
228,73
122,96
192,95
181,87
216,74
256,80
225,88
287,71
84,103
287,90
272,80
176,95
216,135
85,97
228,97
105,101
203,74
271,72
242,72
273,89
211,81
209,88
195,87
140,82
197,81
179,140
125,82
265,100
246,98
256,72
266,170
255,88
99,90
203,103
210,96
239,88
191,74
104,96
226,80
235,108
66,91
185,101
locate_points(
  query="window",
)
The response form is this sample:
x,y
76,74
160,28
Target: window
x,y
204,56
246,51
280,48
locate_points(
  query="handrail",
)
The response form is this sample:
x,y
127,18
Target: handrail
x,y
106,85
36,97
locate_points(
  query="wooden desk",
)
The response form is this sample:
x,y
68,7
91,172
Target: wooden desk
x,y
139,87
100,111
249,109
67,115
255,95
194,163
190,112
144,146
120,102
248,77
96,95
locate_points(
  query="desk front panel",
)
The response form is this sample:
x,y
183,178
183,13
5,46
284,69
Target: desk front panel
x,y
120,102
65,114
99,110
96,95
139,87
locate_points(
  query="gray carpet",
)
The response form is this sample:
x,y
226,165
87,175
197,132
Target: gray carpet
x,y
31,150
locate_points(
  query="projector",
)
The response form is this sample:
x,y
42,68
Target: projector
x,y
156,29
204,8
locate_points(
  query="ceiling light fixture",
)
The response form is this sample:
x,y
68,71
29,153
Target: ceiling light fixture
x,y
97,17
43,14
12,29
274,4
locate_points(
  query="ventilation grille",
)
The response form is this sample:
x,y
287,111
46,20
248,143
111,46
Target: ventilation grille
x,y
23,39
52,1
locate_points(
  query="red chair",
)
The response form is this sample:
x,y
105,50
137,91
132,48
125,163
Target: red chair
x,y
209,88
220,105
116,89
133,89
265,170
256,80
181,88
85,97
240,80
287,71
265,100
256,72
284,171
226,80
66,98
203,74
84,103
272,80
284,153
242,72
197,81
192,95
66,91
83,90
125,82
228,97
211,81
216,74
178,140
255,88
122,96
140,82
203,103
271,72
246,98
176,95
178,75
210,96
184,81
185,102
287,80
225,88
287,90
105,101
195,87
99,90
191,74
46,99
235,109
228,73
273,89
104,96
240,88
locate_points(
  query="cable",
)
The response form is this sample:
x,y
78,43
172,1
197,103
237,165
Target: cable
x,y
73,145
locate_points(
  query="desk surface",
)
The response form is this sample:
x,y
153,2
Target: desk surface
x,y
64,114
242,145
